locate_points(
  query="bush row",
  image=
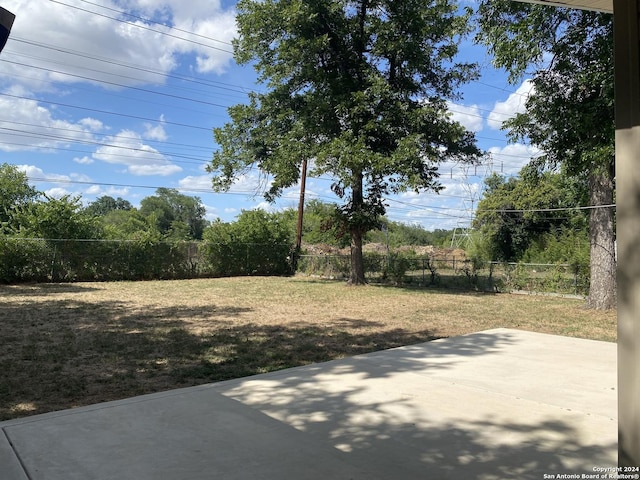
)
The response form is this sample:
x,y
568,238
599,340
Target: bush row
x,y
34,260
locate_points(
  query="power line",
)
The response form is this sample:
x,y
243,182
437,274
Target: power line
x,y
93,79
110,145
119,155
106,82
125,137
560,209
238,91
254,193
207,82
126,185
510,92
137,25
154,22
105,111
131,98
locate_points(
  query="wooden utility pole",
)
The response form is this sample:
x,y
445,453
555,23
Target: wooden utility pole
x,y
303,183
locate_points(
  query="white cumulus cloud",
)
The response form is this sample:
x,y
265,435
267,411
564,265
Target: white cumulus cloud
x,y
140,50
469,117
27,125
510,159
514,104
128,148
200,182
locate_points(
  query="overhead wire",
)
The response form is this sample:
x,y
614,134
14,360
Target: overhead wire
x,y
138,117
153,155
416,208
143,27
148,20
106,82
200,101
197,80
125,137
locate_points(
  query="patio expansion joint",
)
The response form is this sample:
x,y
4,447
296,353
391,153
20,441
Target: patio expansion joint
x,y
16,454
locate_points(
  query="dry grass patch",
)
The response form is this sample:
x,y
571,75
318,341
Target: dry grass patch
x,y
65,345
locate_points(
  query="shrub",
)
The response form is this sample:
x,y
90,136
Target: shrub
x,y
257,243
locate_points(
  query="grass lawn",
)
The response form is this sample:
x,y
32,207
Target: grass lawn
x,y
66,345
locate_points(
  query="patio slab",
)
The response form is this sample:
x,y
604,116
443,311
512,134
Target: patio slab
x,y
491,405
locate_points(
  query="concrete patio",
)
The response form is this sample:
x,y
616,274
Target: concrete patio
x,y
499,404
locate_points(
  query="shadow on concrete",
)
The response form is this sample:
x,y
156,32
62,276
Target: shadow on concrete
x,y
406,427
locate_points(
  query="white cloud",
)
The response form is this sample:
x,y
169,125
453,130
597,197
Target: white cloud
x,y
27,125
37,175
57,192
117,192
127,148
127,42
211,212
92,124
80,177
200,182
266,206
250,184
84,160
510,159
97,191
468,116
163,170
34,172
30,170
156,132
515,103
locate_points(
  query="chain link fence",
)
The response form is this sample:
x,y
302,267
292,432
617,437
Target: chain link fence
x,y
455,272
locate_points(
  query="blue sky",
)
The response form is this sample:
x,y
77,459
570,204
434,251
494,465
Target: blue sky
x,y
96,102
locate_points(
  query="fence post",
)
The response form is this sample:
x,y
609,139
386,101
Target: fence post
x,y
53,262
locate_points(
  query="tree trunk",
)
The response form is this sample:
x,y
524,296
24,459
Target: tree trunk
x,y
355,230
603,285
357,260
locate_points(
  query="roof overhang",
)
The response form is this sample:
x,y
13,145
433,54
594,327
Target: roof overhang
x,y
597,5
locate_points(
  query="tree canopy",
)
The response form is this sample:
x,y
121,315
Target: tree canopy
x,y
176,216
522,212
105,204
357,87
15,193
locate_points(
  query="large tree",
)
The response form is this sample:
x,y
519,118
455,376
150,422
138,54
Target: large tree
x,y
177,216
357,87
105,204
570,111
